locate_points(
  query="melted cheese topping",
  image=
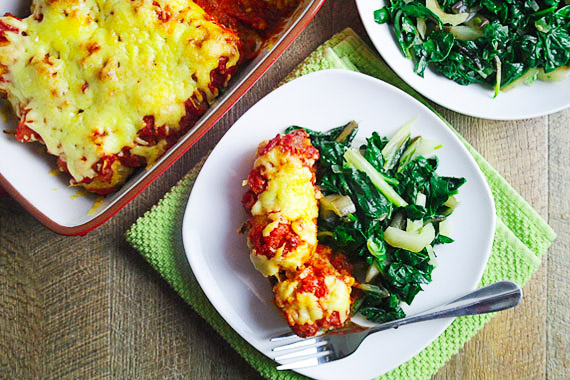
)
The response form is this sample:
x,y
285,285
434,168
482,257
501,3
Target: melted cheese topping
x,y
290,262
289,190
338,298
307,231
305,308
289,196
84,73
311,292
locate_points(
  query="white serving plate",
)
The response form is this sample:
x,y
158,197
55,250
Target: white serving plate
x,y
323,100
27,173
523,102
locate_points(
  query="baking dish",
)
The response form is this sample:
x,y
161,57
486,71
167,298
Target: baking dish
x,y
27,172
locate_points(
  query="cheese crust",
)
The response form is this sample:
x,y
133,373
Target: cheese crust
x,y
283,204
313,285
109,85
317,296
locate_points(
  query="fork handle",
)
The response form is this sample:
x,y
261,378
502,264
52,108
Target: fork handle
x,y
498,296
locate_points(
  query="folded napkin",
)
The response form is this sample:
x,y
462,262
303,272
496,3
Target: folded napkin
x,y
521,236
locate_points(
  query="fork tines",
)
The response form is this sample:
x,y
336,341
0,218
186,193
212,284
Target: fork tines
x,y
312,351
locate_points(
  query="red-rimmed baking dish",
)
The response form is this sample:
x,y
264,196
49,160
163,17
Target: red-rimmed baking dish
x,y
27,173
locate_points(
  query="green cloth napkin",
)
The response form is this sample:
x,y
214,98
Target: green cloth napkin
x,y
521,236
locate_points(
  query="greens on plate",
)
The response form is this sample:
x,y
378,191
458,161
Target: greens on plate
x,y
385,207
498,43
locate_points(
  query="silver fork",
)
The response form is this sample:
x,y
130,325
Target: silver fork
x,y
340,343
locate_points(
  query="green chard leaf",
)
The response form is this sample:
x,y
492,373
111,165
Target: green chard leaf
x,y
360,235
523,36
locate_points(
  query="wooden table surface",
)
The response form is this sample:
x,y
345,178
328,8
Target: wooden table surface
x,y
91,308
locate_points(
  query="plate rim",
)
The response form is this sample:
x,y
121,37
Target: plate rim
x,y
188,215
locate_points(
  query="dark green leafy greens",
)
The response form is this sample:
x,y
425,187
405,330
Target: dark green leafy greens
x,y
360,235
500,42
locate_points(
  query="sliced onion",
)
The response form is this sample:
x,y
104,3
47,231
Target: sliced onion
x,y
398,221
427,146
446,18
376,290
459,7
445,228
421,26
371,272
421,199
414,225
451,204
477,21
432,258
498,65
527,78
341,205
465,33
411,241
346,131
559,74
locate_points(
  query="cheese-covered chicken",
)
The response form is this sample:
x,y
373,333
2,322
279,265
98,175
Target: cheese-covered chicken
x,y
317,296
109,85
282,203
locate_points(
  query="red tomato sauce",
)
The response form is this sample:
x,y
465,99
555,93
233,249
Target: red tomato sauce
x,y
220,76
281,236
131,160
307,330
104,168
23,132
196,107
248,200
254,21
7,28
313,282
295,143
256,181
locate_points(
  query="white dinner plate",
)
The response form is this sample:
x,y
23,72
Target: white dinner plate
x,y
220,259
538,99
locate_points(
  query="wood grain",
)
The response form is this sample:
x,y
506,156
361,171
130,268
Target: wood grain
x,y
558,260
21,317
92,308
496,352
